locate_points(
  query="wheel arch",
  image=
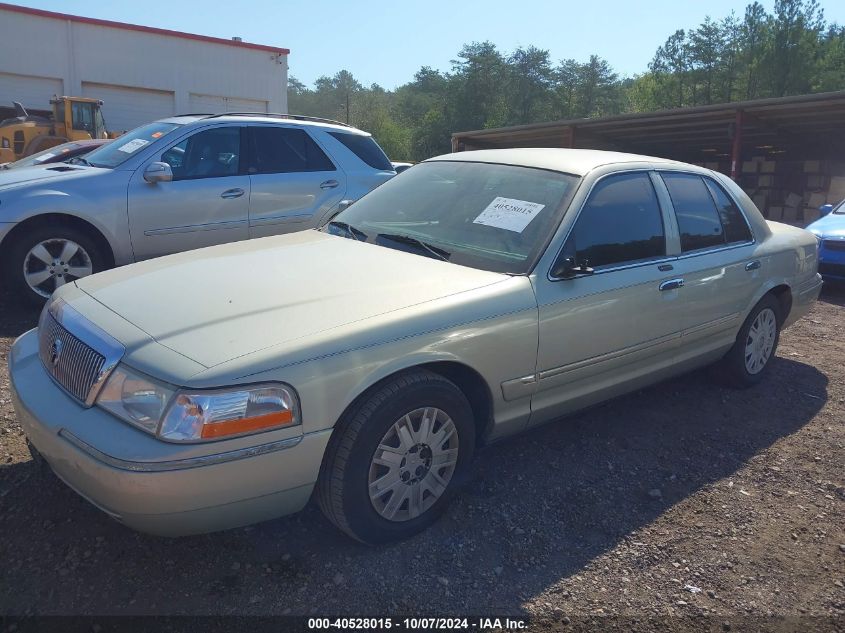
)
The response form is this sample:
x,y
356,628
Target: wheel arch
x,y
467,379
67,219
781,290
783,293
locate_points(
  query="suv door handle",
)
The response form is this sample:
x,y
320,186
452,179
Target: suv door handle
x,y
753,265
329,184
232,193
672,284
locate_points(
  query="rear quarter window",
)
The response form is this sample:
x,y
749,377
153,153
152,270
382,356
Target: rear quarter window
x,y
365,148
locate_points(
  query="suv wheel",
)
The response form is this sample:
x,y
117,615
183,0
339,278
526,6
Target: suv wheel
x,y
47,258
397,457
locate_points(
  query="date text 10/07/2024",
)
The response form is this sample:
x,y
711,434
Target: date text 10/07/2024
x,y
418,624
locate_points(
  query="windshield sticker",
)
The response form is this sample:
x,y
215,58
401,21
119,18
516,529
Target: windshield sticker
x,y
509,214
133,145
46,156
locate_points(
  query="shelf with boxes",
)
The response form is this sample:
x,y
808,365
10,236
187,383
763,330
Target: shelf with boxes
x,y
792,191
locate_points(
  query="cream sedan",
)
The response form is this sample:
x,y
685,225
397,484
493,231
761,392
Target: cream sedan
x,y
473,297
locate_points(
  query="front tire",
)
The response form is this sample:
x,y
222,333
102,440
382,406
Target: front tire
x,y
749,359
47,257
397,457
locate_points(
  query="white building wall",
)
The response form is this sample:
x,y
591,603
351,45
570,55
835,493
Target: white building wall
x,y
76,53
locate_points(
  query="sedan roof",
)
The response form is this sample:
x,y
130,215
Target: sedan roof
x,y
571,161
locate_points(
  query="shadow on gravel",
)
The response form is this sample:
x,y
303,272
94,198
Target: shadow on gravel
x,y
538,509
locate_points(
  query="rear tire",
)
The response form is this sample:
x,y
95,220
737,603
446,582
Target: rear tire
x,y
46,257
750,358
397,457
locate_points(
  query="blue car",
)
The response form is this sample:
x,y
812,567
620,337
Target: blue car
x,y
830,229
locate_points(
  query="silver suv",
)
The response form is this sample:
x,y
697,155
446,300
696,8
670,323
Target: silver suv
x,y
178,184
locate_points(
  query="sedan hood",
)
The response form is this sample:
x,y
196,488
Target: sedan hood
x,y
831,225
215,304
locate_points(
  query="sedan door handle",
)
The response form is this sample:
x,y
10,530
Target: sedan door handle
x,y
329,184
753,265
232,193
672,284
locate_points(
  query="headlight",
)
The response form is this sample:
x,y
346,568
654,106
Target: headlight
x,y
189,416
206,415
136,398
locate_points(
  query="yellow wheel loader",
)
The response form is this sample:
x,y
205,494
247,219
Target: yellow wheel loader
x,y
73,119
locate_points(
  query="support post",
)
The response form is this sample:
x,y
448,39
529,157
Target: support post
x,y
736,151
571,137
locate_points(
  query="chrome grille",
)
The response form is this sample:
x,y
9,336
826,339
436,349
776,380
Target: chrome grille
x,y
72,363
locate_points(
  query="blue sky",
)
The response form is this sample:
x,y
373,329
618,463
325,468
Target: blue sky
x,y
388,41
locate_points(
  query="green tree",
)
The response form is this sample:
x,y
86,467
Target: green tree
x,y
530,82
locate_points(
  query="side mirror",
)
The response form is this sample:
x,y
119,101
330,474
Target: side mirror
x,y
825,209
568,269
158,172
343,205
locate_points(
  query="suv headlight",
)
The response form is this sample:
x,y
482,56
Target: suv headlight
x,y
183,415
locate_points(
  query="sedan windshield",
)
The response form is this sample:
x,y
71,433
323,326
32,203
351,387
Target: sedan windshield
x,y
487,216
119,150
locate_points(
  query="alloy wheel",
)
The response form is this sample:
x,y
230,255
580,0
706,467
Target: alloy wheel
x,y
52,263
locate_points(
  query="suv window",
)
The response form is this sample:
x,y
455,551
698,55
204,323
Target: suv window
x,y
365,148
620,223
280,150
736,228
698,220
212,153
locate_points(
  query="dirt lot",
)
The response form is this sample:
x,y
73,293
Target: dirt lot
x,y
680,501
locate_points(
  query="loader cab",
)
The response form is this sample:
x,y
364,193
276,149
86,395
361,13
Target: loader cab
x,y
84,115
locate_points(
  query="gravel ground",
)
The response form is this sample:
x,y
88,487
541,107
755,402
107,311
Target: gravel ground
x,y
680,501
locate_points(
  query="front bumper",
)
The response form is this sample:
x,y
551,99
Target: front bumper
x,y
832,260
170,495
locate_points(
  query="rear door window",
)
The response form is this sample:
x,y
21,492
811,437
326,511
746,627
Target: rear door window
x,y
283,150
365,148
736,228
698,219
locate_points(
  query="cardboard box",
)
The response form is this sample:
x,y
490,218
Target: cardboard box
x,y
836,190
793,200
811,214
750,167
775,213
790,214
767,167
816,181
766,181
812,166
760,201
817,199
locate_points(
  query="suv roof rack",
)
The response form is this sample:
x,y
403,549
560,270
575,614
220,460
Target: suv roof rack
x,y
278,115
